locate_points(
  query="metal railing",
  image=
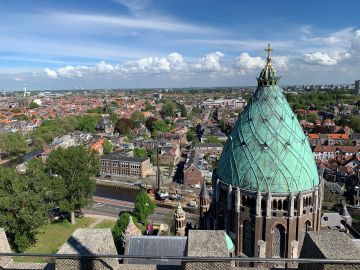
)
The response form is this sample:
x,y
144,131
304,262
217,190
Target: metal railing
x,y
112,261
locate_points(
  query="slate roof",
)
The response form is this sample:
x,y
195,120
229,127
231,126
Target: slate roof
x,y
204,193
89,241
199,244
120,156
334,244
156,246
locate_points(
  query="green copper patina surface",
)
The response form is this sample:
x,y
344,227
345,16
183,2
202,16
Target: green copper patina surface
x,y
267,149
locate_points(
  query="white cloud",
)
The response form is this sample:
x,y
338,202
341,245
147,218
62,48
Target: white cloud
x,y
102,67
134,6
340,38
280,62
248,63
355,42
326,59
174,64
176,61
51,73
319,58
211,62
157,23
243,44
18,79
71,71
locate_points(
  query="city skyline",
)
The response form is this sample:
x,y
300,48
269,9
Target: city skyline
x,y
135,44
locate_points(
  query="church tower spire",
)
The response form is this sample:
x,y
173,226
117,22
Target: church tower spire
x,y
268,75
179,217
204,205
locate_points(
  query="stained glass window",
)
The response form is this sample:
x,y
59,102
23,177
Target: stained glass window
x,y
279,242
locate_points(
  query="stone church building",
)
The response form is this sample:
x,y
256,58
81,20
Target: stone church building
x,y
267,189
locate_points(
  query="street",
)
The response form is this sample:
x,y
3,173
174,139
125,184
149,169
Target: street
x,y
112,208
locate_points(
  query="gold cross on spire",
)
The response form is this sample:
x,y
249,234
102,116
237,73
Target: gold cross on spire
x,y
268,50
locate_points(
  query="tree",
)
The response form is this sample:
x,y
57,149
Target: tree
x,y
144,207
21,117
25,201
138,116
33,105
168,109
123,126
119,229
148,106
76,165
183,110
12,143
170,168
149,124
140,152
190,135
199,131
95,110
312,117
108,147
354,123
87,123
160,125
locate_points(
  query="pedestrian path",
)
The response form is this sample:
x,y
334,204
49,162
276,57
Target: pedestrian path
x,y
96,222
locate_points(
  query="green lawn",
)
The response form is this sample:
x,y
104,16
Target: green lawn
x,y
56,234
105,224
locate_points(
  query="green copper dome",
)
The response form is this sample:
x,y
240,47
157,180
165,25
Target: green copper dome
x,y
267,149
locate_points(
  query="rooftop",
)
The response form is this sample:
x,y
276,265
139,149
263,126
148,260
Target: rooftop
x,y
118,155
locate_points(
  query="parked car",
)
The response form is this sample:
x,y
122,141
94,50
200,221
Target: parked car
x,y
56,214
192,204
79,213
176,197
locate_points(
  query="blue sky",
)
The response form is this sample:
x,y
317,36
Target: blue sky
x,y
48,44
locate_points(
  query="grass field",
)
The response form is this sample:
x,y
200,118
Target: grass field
x,y
56,234
105,224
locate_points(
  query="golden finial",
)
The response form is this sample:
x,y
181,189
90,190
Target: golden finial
x,y
268,50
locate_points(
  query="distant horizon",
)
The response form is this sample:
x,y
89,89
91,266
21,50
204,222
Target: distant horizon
x,y
163,88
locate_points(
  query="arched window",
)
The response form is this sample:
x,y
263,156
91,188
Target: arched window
x,y
285,205
248,201
279,242
274,205
280,205
253,202
243,200
248,239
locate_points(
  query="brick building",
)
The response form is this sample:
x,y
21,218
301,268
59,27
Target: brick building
x,y
211,149
118,164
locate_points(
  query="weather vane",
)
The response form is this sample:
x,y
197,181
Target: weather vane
x,y
268,50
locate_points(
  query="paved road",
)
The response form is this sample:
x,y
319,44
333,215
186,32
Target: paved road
x,y
112,208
